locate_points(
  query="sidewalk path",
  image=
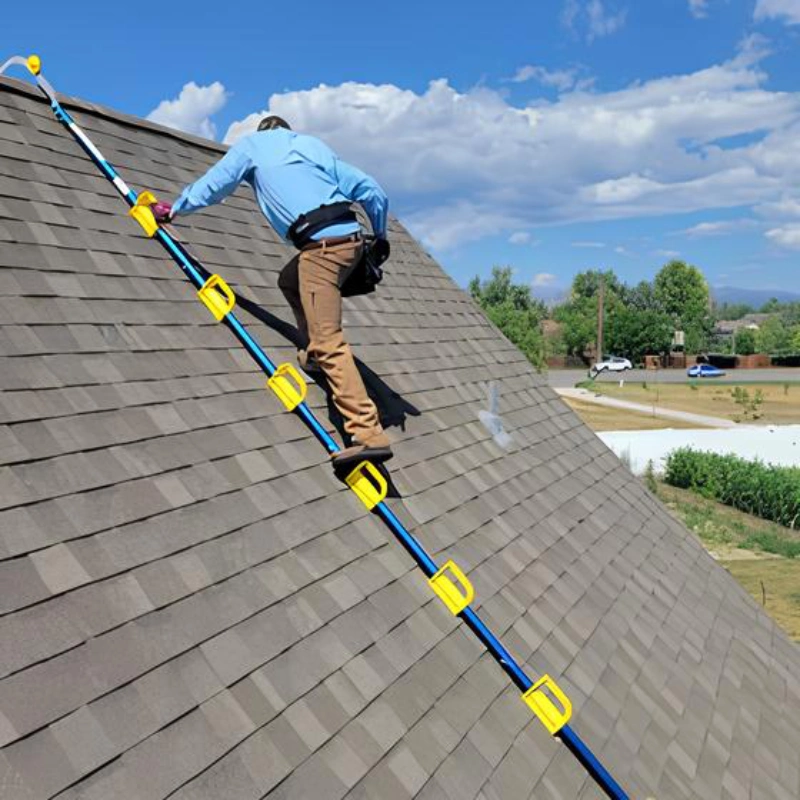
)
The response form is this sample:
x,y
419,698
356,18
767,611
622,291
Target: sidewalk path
x,y
668,413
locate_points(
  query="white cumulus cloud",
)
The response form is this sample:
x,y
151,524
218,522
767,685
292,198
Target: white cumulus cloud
x,y
592,18
718,228
544,279
786,206
520,237
786,10
786,236
192,109
561,79
698,8
461,166
603,22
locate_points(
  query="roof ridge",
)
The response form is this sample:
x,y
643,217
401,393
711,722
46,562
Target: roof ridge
x,y
23,87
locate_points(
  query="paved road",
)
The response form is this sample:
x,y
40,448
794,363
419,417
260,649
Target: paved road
x,y
569,377
658,411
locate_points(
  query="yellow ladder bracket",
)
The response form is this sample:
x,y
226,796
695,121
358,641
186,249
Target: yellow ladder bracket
x,y
447,590
143,214
217,297
290,394
368,484
553,718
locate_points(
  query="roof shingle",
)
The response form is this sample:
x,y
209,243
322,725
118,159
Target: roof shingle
x,y
192,606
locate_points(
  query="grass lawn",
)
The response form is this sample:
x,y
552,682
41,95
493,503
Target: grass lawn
x,y
603,418
781,401
753,550
781,583
762,556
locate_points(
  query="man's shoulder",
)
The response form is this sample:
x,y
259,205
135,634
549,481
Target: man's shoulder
x,y
277,144
278,139
310,142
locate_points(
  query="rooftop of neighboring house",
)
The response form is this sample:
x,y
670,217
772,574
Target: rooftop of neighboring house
x,y
752,321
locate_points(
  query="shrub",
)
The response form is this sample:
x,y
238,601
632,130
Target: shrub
x,y
766,491
750,405
771,543
650,477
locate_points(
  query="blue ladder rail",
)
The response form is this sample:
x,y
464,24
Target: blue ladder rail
x,y
554,716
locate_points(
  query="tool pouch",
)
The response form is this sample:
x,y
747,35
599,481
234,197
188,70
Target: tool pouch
x,y
368,273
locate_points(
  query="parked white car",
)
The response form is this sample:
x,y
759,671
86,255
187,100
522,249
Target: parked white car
x,y
610,364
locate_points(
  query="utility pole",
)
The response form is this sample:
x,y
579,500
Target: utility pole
x,y
601,298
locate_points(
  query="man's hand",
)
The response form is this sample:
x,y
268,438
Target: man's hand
x,y
162,212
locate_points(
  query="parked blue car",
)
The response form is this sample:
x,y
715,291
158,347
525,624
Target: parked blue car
x,y
704,371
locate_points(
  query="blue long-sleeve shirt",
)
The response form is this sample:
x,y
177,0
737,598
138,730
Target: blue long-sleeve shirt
x,y
291,174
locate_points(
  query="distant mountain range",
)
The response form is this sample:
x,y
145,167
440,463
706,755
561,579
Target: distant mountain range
x,y
753,297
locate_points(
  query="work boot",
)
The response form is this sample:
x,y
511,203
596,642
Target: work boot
x,y
377,450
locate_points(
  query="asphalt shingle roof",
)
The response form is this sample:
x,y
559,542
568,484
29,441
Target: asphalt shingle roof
x,y
193,607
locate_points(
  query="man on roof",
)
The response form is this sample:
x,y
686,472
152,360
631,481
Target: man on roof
x,y
305,191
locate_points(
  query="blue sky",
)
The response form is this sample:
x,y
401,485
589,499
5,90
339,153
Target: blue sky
x,y
551,136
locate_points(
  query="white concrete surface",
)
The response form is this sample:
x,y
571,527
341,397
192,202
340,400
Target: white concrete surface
x,y
772,444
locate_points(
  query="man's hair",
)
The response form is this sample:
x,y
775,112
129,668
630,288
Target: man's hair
x,y
272,122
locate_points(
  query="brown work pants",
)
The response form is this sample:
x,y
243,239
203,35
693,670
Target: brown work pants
x,y
311,283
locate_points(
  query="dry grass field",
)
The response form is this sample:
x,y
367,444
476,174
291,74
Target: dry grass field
x,y
603,418
780,581
753,550
762,556
780,404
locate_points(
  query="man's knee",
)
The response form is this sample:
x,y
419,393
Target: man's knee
x,y
328,349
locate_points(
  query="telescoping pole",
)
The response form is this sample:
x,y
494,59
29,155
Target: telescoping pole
x,y
545,699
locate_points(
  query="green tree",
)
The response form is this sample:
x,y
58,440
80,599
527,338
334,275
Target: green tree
x,y
790,314
643,297
500,289
634,333
579,323
683,293
745,342
773,336
771,306
522,328
732,310
579,314
587,284
511,307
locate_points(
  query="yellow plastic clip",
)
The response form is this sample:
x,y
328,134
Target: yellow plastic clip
x,y
290,394
368,484
217,297
553,718
142,213
447,590
34,64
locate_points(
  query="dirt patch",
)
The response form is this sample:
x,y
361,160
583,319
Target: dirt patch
x,y
722,553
